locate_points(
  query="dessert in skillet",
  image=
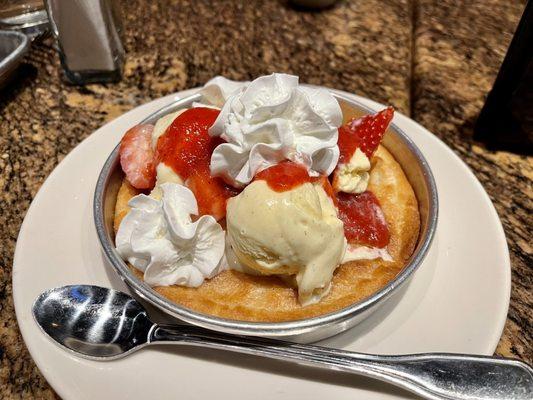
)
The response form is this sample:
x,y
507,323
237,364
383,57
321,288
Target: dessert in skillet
x,y
267,202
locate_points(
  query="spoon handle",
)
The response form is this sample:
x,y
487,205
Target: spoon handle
x,y
431,375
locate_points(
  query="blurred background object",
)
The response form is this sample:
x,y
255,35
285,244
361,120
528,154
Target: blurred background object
x,y
27,16
13,46
506,120
88,35
313,4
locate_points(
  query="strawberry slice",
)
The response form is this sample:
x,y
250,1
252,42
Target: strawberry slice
x,y
211,193
137,157
364,133
364,221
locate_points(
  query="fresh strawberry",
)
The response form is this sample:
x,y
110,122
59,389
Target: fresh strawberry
x,y
211,193
364,133
364,221
137,157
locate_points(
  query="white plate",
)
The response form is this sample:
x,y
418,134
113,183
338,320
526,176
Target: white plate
x,y
456,302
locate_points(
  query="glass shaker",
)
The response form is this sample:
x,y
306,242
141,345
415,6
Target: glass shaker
x,y
88,34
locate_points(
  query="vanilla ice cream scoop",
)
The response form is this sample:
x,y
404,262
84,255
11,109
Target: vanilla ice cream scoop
x,y
295,232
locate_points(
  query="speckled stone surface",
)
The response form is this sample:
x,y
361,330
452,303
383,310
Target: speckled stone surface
x,y
457,54
435,60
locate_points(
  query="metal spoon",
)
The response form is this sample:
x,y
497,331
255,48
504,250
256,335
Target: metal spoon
x,y
104,324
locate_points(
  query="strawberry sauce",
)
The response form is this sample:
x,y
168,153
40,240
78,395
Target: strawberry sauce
x,y
186,147
364,221
285,176
288,175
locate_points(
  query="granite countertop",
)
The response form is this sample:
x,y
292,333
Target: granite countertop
x,y
433,60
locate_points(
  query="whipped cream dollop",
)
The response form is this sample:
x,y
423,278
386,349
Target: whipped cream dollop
x,y
353,176
159,238
274,119
218,90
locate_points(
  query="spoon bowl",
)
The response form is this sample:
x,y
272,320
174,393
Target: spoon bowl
x,y
93,321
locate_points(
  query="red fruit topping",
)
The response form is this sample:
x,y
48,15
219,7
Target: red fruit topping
x,y
187,147
284,176
211,194
137,157
364,133
287,175
364,221
326,184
